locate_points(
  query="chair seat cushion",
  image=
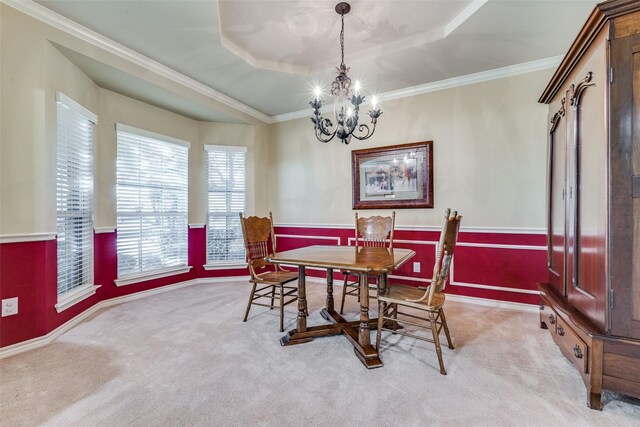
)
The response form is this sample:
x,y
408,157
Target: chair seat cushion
x,y
399,294
276,277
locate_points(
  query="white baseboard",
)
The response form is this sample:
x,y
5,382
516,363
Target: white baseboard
x,y
38,342
492,303
485,302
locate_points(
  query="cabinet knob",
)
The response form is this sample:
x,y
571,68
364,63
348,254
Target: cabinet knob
x,y
577,351
552,319
560,330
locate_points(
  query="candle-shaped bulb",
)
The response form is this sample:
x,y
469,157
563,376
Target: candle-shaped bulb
x,y
374,102
357,87
317,91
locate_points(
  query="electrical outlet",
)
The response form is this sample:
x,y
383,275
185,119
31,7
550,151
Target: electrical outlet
x,y
416,267
9,306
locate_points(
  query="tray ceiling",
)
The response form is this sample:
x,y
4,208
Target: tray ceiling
x,y
269,54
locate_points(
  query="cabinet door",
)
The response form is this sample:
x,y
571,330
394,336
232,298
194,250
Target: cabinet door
x,y
587,185
556,183
625,188
572,200
633,285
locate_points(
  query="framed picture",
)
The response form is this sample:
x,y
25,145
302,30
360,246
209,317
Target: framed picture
x,y
396,177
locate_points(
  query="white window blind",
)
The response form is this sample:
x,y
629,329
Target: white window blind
x,y
152,202
74,194
226,189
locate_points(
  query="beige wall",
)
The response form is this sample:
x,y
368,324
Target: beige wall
x,y
32,72
489,145
489,157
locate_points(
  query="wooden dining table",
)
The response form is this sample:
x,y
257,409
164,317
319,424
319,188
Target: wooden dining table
x,y
363,261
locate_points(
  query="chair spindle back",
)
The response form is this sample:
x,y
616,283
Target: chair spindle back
x,y
444,254
375,231
258,237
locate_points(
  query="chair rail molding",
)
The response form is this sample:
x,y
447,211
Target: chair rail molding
x,y
27,237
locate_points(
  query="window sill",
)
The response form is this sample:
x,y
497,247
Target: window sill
x,y
150,275
75,296
225,266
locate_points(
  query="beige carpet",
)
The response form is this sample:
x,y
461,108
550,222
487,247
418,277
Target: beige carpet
x,y
185,358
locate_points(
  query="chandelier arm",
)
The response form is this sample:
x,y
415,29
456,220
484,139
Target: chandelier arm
x,y
369,133
319,134
324,126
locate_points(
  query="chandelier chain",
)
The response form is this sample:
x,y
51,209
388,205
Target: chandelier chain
x,y
342,41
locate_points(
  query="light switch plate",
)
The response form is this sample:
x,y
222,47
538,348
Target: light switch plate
x,y
9,306
416,267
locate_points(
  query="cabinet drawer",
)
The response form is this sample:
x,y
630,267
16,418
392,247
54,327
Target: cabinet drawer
x,y
571,345
548,316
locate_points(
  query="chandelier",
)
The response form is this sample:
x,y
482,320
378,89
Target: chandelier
x,y
346,103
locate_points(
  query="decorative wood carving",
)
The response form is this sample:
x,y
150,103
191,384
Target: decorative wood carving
x,y
576,92
555,121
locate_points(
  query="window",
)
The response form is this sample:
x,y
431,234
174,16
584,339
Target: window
x,y
152,195
74,201
226,198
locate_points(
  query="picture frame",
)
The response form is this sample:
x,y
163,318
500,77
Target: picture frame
x,y
393,177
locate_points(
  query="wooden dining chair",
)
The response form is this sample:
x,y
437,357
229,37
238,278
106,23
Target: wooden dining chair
x,y
376,231
267,278
430,301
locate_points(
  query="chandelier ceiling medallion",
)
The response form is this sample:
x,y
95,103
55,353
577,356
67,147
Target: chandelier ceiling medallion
x,y
346,102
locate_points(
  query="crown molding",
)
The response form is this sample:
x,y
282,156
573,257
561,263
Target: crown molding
x,y
49,17
483,76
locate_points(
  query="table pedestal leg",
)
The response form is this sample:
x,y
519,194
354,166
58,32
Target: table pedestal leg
x,y
362,347
358,332
301,321
330,289
364,335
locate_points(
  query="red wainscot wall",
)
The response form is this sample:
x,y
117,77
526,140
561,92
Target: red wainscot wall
x,y
28,270
500,266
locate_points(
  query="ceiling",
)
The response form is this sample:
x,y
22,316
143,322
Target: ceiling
x,y
269,54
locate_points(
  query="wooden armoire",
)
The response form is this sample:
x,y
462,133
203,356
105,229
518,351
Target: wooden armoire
x,y
591,301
